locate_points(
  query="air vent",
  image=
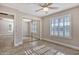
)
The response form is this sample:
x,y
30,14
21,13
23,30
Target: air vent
x,y
3,14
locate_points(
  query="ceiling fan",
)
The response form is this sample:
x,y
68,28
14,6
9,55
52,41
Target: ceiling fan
x,y
45,7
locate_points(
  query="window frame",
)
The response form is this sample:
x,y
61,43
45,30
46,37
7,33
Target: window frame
x,y
34,27
70,37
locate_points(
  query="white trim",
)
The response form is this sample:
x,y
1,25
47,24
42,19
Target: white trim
x,y
64,44
61,17
24,38
17,44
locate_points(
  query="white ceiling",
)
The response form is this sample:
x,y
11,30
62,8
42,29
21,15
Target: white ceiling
x,y
30,8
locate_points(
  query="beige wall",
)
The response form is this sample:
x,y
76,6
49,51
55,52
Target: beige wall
x,y
6,36
75,27
4,27
25,29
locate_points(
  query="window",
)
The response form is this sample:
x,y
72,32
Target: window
x,y
61,26
34,26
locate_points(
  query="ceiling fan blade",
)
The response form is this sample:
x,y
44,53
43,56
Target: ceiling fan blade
x,y
3,13
49,4
45,4
39,9
53,7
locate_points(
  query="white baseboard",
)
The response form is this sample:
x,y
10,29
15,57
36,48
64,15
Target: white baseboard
x,y
24,37
17,44
64,44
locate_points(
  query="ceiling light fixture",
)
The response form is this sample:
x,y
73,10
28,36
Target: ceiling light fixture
x,y
45,9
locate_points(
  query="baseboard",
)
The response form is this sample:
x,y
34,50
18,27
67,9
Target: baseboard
x,y
18,44
24,37
36,37
64,44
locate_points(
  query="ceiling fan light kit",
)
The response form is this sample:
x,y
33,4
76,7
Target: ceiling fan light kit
x,y
45,7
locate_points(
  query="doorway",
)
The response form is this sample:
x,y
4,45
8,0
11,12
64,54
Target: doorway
x,y
6,31
35,30
26,32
